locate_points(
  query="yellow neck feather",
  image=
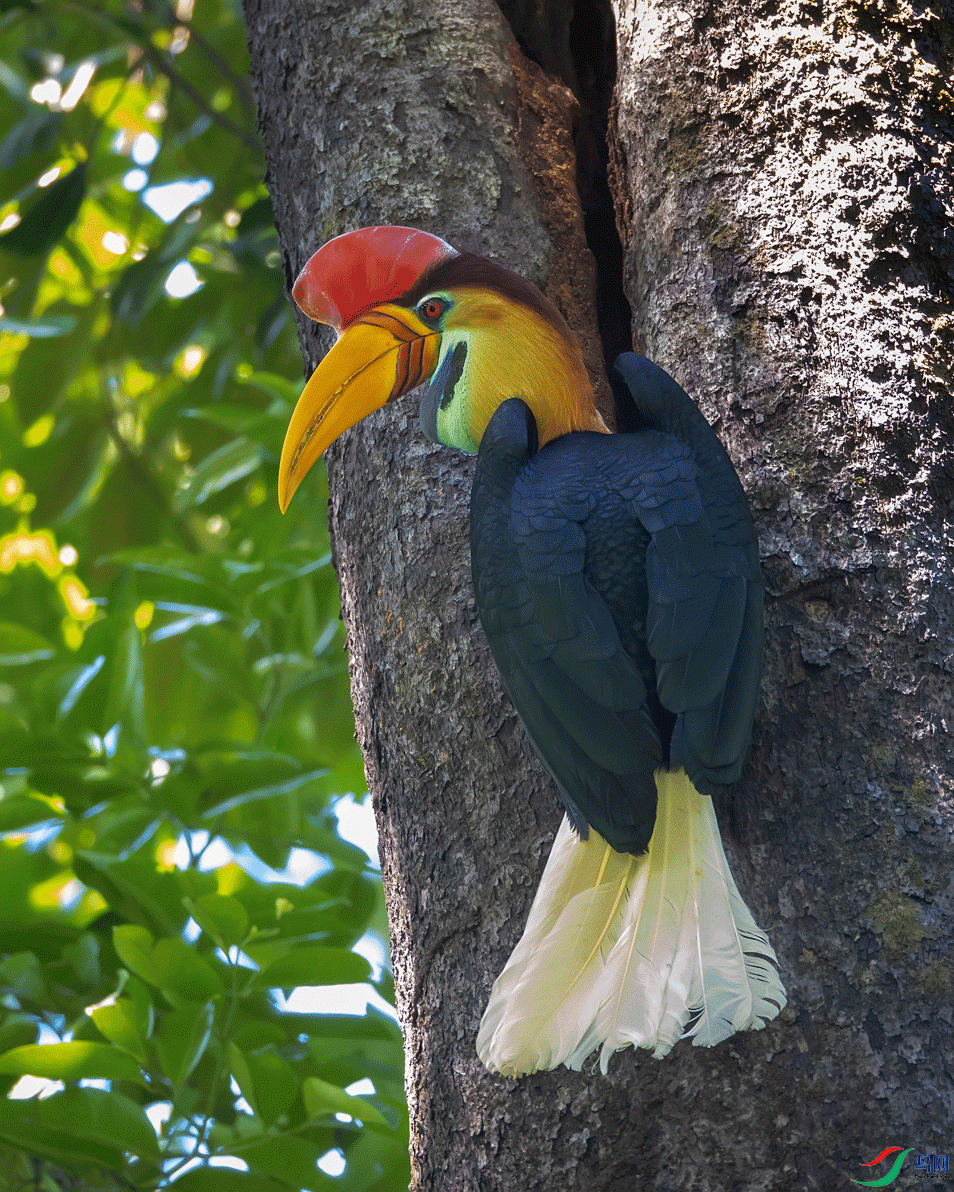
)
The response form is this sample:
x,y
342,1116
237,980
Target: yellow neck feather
x,y
514,352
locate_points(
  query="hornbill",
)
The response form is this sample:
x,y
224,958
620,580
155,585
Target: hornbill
x,y
617,579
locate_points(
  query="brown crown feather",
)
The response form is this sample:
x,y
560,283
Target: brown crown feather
x,y
468,269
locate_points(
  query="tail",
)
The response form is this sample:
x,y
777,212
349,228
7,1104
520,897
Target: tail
x,y
623,950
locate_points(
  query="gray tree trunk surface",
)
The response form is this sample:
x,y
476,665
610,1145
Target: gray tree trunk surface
x,y
781,175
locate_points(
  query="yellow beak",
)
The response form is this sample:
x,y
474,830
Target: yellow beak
x,y
377,358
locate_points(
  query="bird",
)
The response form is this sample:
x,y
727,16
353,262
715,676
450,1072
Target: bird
x,y
617,580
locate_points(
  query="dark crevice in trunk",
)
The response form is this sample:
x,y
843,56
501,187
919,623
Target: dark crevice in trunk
x,y
593,46
575,40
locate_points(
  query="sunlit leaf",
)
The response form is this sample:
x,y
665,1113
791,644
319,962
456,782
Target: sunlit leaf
x,y
223,917
170,964
119,1022
71,1061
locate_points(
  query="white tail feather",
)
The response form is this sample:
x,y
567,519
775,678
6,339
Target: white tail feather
x,y
623,950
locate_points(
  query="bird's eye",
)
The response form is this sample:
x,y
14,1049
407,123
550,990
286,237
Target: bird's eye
x,y
432,308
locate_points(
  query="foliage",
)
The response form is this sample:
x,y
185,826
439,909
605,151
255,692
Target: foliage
x,y
174,686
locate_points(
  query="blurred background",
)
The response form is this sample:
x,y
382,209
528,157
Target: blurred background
x,y
193,947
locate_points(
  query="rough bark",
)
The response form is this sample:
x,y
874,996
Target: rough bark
x,y
746,147
787,168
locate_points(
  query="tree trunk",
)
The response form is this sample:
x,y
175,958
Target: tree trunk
x,y
787,168
780,175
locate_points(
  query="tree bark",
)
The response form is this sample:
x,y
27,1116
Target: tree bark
x,y
779,182
787,168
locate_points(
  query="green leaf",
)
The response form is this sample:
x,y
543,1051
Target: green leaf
x,y
121,828
242,1073
124,704
218,471
222,917
26,1126
17,1030
270,791
188,616
48,217
138,290
223,1179
182,1039
167,574
287,391
49,366
170,964
37,130
135,946
79,1125
313,965
293,1160
80,678
267,1082
322,1098
20,974
120,1024
20,811
83,957
71,1061
20,646
222,685
135,889
240,420
102,1116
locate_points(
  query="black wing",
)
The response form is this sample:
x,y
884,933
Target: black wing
x,y
704,630
619,617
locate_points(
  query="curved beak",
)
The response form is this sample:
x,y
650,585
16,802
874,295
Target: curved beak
x,y
377,358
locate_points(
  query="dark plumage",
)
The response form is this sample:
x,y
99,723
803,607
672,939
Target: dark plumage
x,y
617,579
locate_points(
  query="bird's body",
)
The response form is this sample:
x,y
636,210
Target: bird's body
x,y
617,580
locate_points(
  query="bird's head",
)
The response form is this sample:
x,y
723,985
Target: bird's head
x,y
408,308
